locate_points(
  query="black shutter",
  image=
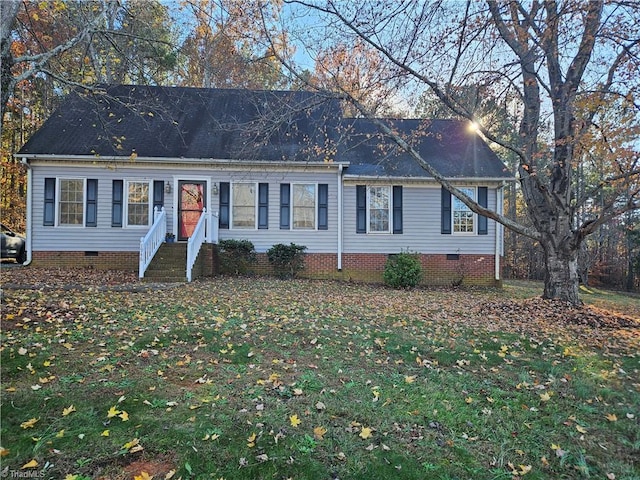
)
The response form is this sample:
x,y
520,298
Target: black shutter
x,y
263,205
117,192
92,203
446,211
397,209
223,221
285,206
49,201
482,220
323,206
158,194
361,209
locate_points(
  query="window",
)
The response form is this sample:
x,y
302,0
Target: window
x,y
379,209
463,217
138,203
71,202
456,216
378,201
243,202
304,207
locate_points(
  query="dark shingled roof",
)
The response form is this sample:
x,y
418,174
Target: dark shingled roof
x,y
450,146
178,122
295,126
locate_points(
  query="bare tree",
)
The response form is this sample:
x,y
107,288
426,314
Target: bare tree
x,y
544,56
77,43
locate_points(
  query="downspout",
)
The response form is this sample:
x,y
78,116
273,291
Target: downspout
x,y
499,231
28,244
340,216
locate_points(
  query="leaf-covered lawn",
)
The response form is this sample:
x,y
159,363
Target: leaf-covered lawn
x,y
104,377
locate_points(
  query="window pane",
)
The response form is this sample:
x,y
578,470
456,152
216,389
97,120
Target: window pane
x,y
379,209
138,203
71,207
244,205
462,216
304,207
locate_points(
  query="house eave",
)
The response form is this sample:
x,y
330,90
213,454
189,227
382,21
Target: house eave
x,y
422,180
128,160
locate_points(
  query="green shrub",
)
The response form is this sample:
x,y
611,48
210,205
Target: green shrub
x,y
287,260
403,270
236,256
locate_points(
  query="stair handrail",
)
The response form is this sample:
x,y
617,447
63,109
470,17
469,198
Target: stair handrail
x,y
195,242
150,243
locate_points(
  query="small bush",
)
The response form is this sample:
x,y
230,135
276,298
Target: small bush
x,y
287,260
402,270
236,256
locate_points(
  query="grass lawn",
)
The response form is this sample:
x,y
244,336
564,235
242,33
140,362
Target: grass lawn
x,y
260,378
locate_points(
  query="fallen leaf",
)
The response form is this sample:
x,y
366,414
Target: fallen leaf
x,y
581,429
29,423
143,476
68,410
133,443
524,469
319,433
365,433
105,433
545,397
295,421
31,464
124,416
611,417
113,411
251,441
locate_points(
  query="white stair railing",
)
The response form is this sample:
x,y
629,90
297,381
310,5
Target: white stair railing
x,y
195,241
150,243
213,223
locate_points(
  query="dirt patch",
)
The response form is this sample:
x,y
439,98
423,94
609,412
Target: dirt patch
x,y
157,468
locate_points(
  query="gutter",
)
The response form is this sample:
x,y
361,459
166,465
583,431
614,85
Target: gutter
x,y
340,216
28,243
178,160
499,230
425,179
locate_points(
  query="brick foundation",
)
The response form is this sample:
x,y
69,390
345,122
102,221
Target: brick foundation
x,y
127,261
360,267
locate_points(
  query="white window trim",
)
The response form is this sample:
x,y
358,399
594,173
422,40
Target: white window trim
x,y
58,199
255,206
453,210
125,220
315,207
389,210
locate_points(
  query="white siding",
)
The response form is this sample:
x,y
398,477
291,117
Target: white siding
x,y
420,226
104,237
421,213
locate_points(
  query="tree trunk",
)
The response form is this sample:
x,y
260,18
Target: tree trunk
x,y
561,279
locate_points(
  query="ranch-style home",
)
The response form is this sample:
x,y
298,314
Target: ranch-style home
x,y
112,174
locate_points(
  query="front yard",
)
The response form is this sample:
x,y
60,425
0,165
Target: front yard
x,y
250,378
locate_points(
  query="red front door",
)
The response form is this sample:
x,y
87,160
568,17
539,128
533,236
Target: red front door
x,y
191,201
